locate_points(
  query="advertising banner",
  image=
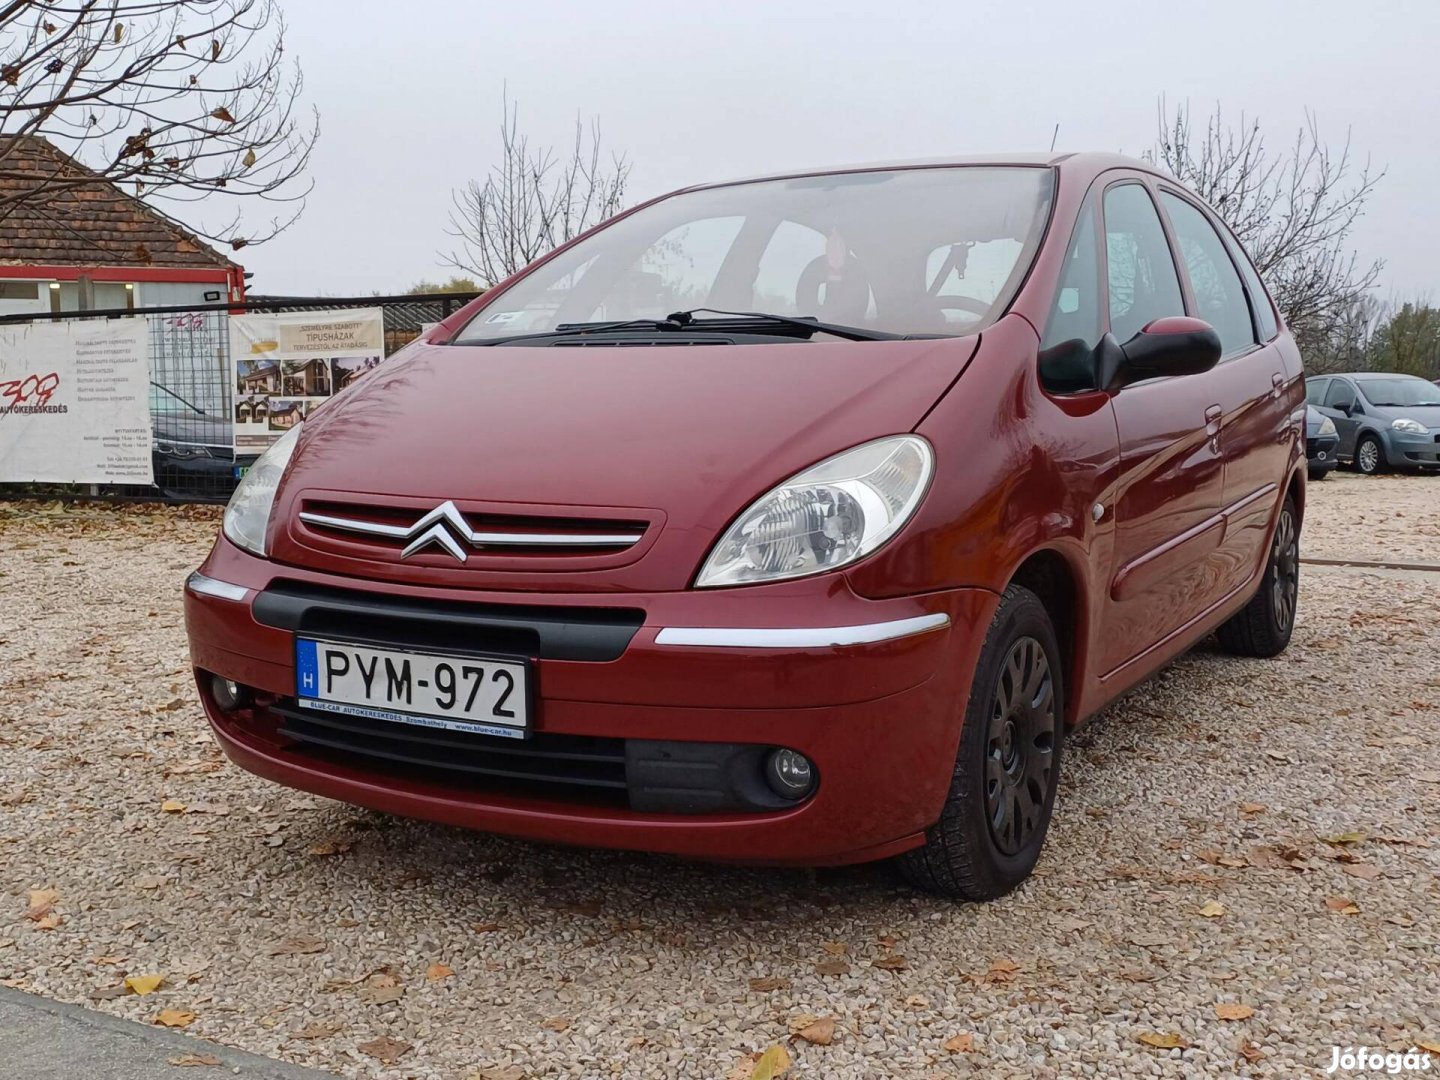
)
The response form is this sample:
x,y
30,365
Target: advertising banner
x,y
75,403
286,364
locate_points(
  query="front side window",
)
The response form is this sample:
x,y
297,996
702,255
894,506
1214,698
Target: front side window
x,y
1067,351
1339,395
1315,390
905,251
1144,285
1219,296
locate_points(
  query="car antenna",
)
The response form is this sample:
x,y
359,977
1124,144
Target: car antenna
x,y
1053,137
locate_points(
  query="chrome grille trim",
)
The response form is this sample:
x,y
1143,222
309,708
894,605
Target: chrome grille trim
x,y
445,526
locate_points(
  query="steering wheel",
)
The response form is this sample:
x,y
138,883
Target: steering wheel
x,y
967,304
847,296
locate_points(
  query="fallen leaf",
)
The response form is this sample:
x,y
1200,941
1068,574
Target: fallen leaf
x,y
174,1018
772,1063
485,928
894,962
319,1030
768,984
49,922
1342,904
149,881
40,903
1213,909
1250,1052
917,1001
960,1044
298,945
195,1059
1169,1041
1252,808
144,984
436,972
819,1030
1364,871
1002,971
835,948
384,1049
382,988
499,1072
555,1023
1233,1011
173,806
1431,1047
1354,836
334,846
835,966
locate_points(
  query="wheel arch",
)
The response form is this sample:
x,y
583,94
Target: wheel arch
x,y
1052,576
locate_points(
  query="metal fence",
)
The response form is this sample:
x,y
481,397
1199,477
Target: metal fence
x,y
193,391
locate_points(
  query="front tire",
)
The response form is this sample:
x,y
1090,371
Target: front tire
x,y
1369,456
1317,475
1007,770
1262,628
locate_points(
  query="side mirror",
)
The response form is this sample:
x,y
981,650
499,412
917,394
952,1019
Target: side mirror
x,y
1174,345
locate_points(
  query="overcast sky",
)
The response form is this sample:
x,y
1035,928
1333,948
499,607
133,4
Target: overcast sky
x,y
409,95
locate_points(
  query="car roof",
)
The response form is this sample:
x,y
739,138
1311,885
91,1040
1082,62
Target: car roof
x,y
1088,163
1362,376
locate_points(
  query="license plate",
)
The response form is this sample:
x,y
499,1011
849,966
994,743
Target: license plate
x,y
478,694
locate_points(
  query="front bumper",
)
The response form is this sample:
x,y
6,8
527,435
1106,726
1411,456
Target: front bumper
x,y
1320,452
872,692
1402,449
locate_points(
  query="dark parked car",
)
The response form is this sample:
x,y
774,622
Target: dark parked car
x,y
1384,421
1321,439
790,520
193,451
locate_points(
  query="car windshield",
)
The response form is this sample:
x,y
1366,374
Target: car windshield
x,y
1402,392
905,251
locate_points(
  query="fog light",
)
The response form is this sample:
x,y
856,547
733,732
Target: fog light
x,y
228,694
789,774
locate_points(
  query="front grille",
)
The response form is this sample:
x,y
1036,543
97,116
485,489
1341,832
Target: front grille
x,y
567,766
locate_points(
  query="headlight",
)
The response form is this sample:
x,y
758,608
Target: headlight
x,y
248,514
1327,426
181,450
827,516
1410,427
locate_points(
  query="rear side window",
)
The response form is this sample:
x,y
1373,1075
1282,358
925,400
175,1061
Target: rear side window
x,y
1219,296
1315,390
1144,285
1259,298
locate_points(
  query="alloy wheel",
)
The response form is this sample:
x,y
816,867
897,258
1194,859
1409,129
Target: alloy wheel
x,y
1368,456
1285,564
1020,753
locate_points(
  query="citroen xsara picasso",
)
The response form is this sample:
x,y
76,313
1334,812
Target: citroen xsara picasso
x,y
792,520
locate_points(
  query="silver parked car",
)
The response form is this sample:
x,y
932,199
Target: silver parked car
x,y
1384,420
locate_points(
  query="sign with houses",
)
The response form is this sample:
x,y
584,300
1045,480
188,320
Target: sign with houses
x,y
285,365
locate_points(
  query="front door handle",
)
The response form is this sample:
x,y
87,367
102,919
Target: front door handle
x,y
1213,416
1278,382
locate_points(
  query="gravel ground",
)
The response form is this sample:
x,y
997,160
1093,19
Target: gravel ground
x,y
1188,868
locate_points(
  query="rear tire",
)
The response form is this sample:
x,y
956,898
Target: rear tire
x,y
1262,628
1007,769
1369,456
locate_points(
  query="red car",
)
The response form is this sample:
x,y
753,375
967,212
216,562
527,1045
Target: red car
x,y
792,520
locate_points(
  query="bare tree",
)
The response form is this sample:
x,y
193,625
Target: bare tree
x,y
1347,342
534,200
176,100
1293,210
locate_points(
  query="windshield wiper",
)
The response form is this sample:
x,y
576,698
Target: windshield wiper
x,y
686,320
739,321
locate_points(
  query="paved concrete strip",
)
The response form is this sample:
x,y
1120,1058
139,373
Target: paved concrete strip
x,y
1423,567
48,1040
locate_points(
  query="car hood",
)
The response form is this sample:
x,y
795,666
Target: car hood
x,y
1429,415
192,428
676,439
